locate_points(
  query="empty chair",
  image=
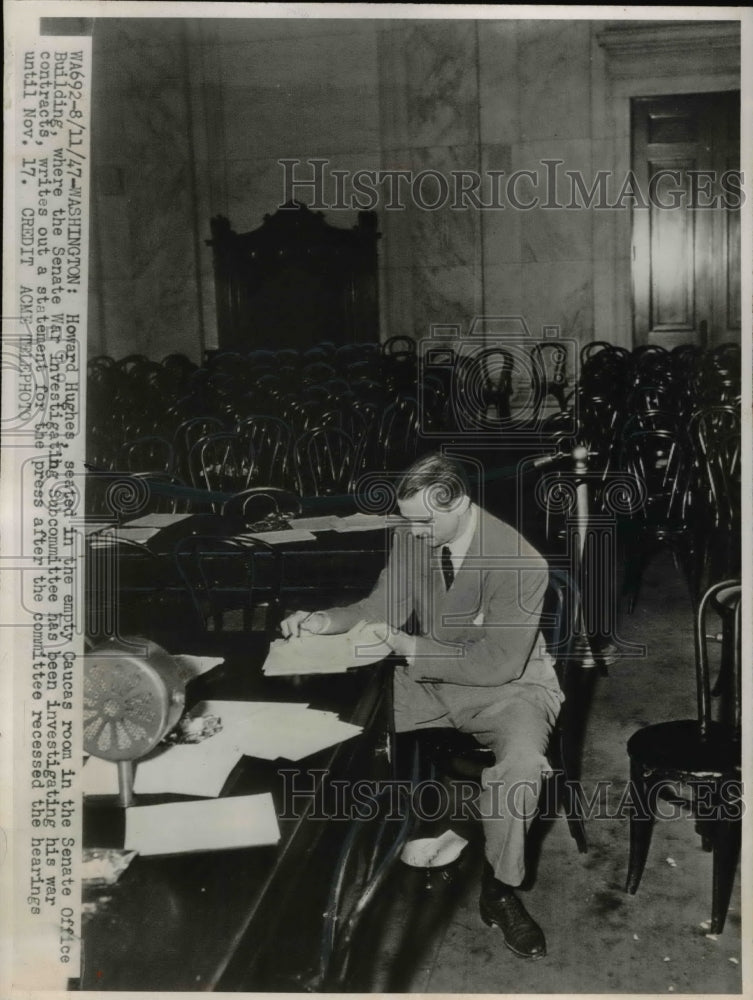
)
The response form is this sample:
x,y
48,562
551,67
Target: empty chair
x,y
223,574
221,463
701,754
662,511
549,360
325,460
398,438
271,440
185,436
147,454
399,344
715,434
589,351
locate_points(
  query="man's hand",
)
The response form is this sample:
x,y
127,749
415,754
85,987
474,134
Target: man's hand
x,y
398,641
314,622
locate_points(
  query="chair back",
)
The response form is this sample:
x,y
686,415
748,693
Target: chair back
x,y
325,461
726,594
561,618
263,502
271,441
221,573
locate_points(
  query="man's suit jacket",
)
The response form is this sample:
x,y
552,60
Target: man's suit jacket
x,y
484,631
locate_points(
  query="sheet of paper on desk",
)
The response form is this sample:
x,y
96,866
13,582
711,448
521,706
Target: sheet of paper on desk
x,y
204,825
329,522
233,713
272,734
139,533
363,522
94,527
191,769
156,520
195,666
271,730
325,654
282,537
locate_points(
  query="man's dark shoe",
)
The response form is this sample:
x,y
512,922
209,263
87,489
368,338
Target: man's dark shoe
x,y
521,932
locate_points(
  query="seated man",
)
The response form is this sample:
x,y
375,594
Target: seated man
x,y
476,590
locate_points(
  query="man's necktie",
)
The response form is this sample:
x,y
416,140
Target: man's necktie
x,y
448,570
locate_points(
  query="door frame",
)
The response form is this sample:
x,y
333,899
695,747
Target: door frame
x,y
645,60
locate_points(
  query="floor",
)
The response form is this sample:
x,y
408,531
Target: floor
x,y
599,939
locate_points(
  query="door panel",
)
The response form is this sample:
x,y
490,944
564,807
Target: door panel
x,y
686,237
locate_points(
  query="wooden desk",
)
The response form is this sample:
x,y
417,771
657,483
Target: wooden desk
x,y
239,919
246,919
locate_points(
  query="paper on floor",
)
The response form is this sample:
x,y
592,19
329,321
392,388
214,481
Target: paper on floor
x,y
433,852
203,825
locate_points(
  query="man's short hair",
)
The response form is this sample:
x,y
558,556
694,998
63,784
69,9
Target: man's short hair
x,y
443,475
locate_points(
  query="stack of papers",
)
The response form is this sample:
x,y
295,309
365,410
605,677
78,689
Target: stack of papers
x,y
177,827
326,654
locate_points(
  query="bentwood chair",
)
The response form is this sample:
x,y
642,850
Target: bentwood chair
x,y
458,755
263,503
223,574
700,753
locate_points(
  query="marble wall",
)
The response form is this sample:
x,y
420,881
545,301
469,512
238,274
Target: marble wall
x,y
143,247
191,119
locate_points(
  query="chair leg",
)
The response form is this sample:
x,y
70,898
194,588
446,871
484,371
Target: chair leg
x,y
726,854
635,563
569,791
641,827
575,818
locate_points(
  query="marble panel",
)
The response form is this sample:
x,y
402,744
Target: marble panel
x,y
257,187
313,94
107,128
155,124
613,316
450,234
442,93
162,222
112,239
444,295
500,229
152,315
499,95
552,230
139,55
554,79
502,284
558,293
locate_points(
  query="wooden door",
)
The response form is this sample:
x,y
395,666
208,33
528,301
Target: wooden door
x,y
686,219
